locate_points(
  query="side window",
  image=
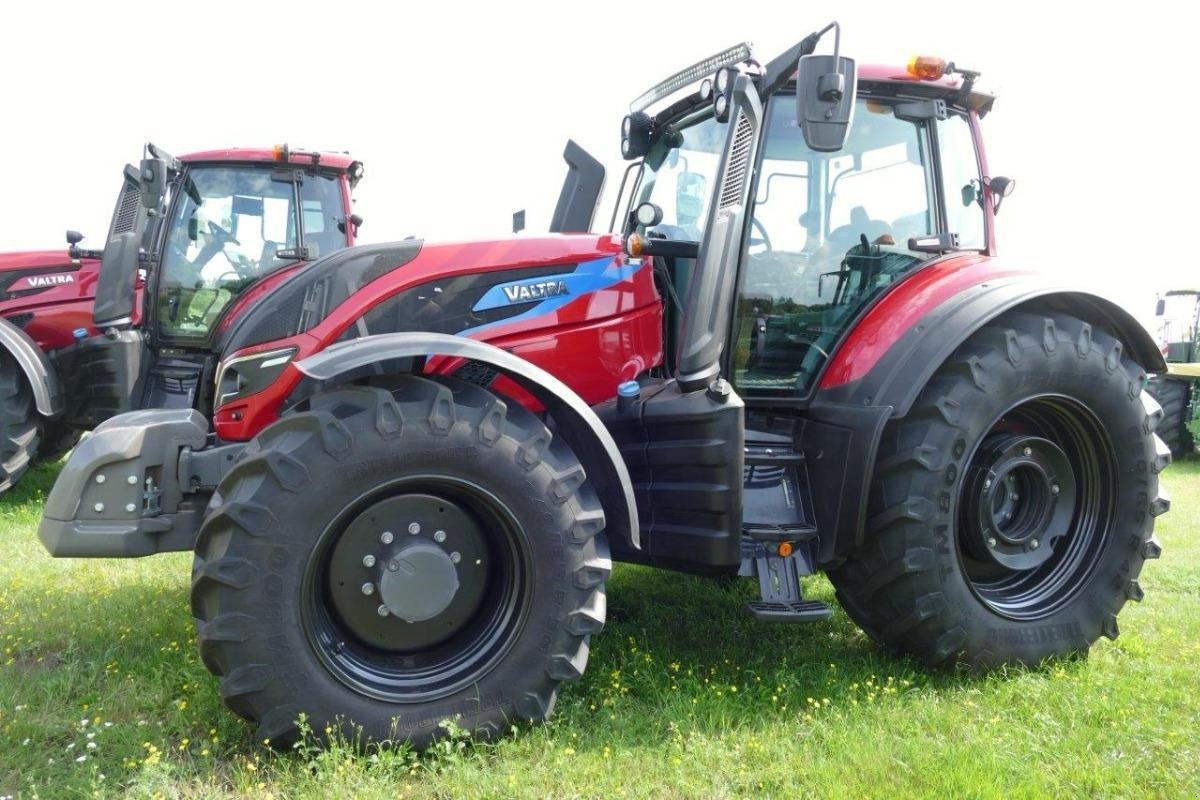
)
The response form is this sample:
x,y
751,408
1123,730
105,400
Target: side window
x,y
321,203
961,182
805,271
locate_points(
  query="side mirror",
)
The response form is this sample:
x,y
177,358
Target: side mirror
x,y
1000,187
153,181
1160,307
825,91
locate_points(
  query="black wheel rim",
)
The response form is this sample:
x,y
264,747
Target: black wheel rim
x,y
1035,507
404,644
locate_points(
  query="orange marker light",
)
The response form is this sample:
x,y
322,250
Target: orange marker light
x,y
926,68
280,152
633,245
784,549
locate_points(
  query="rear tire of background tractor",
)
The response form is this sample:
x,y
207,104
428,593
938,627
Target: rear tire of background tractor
x,y
1012,508
455,515
1174,395
18,423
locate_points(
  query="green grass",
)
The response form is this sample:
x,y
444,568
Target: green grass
x,y
684,697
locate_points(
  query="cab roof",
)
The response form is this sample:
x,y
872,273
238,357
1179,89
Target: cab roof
x,y
339,161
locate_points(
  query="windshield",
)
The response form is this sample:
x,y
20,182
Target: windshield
x,y
678,174
226,230
828,232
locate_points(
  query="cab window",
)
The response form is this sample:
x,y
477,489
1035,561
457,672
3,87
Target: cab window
x,y
961,182
828,232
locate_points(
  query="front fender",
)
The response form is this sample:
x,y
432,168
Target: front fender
x,y
47,390
593,444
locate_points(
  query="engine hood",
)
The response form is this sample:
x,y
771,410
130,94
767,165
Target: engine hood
x,y
35,259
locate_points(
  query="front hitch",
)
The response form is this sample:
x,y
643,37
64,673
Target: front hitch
x,y
120,494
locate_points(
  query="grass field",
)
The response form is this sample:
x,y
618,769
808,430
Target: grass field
x,y
101,693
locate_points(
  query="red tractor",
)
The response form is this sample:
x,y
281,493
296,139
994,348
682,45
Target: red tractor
x,y
416,461
81,338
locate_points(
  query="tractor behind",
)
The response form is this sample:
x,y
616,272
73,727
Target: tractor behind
x,y
1178,390
796,351
82,340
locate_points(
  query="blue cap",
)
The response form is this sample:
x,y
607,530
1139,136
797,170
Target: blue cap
x,y
79,333
629,389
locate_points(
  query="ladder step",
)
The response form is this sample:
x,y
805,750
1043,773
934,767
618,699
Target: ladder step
x,y
797,611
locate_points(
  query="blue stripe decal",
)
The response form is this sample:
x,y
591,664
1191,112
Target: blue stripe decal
x,y
589,276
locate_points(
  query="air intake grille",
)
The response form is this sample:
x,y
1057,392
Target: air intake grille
x,y
125,218
739,161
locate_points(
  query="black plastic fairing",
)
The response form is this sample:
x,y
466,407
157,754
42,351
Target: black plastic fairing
x,y
302,301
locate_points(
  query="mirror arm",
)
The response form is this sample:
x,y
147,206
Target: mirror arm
x,y
779,70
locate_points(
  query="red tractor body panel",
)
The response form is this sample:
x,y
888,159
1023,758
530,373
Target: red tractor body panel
x,y
904,306
48,295
604,328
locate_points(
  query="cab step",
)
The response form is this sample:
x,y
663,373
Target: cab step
x,y
797,611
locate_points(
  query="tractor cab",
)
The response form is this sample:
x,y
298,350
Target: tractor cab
x,y
828,223
191,241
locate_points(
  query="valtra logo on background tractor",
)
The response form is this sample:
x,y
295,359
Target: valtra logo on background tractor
x,y
44,281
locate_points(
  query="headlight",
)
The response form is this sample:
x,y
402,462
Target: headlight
x,y
724,80
705,89
246,375
721,107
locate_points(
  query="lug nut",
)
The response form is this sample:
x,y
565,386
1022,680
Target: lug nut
x,y
131,480
414,528
1028,451
987,484
368,588
368,561
1033,544
1016,497
382,611
99,507
1054,488
386,537
991,541
456,557
100,479
130,507
440,536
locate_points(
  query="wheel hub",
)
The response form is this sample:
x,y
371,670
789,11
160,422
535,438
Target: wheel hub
x,y
409,572
419,582
1020,498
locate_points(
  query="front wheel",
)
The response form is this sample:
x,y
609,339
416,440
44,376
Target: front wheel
x,y
392,560
1012,508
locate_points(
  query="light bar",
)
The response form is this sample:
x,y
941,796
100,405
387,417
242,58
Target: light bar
x,y
701,69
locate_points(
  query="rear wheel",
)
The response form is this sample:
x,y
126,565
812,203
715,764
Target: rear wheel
x,y
392,561
18,422
1175,397
1012,508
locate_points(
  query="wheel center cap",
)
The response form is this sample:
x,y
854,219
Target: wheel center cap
x,y
419,581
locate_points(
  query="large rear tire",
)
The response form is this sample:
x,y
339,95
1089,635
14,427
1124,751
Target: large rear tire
x,y
390,561
18,422
1012,508
1175,397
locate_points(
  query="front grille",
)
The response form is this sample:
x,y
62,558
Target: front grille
x,y
476,372
20,320
739,161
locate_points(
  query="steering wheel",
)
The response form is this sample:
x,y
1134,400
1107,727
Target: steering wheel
x,y
763,238
220,235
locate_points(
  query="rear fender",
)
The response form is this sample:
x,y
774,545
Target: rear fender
x,y
847,417
575,420
43,379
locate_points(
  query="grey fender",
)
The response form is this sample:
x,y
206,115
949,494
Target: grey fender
x,y
577,422
43,379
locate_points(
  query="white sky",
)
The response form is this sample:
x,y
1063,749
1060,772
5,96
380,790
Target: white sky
x,y
460,111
